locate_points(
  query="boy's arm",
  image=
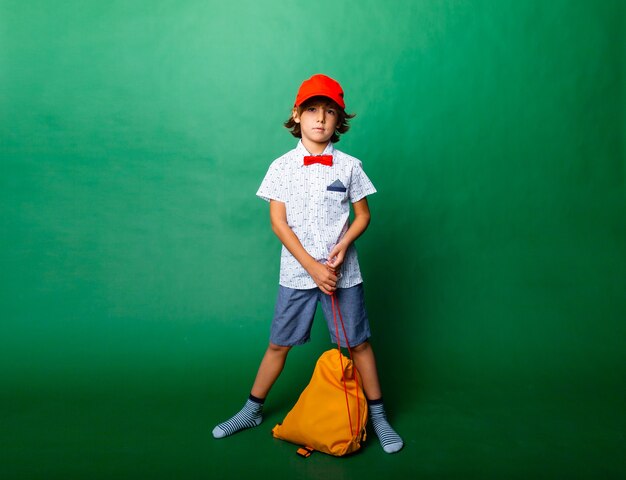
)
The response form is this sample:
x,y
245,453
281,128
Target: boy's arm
x,y
323,277
359,225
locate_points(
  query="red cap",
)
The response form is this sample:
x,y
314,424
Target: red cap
x,y
320,86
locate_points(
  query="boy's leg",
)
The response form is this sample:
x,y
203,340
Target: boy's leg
x,y
291,325
352,305
251,415
270,369
365,362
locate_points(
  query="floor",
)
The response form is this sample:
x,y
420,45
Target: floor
x,y
162,430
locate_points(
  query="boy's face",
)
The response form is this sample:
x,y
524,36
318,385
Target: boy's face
x,y
318,121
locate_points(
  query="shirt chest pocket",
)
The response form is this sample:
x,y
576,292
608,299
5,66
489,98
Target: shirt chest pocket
x,y
335,194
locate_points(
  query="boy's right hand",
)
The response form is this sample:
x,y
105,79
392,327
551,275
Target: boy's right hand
x,y
323,277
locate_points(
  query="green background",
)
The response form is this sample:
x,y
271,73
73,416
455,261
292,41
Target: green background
x,y
139,272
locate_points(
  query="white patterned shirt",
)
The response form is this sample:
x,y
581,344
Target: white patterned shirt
x,y
317,199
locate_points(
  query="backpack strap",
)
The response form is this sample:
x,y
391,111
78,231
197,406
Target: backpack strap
x,y
337,313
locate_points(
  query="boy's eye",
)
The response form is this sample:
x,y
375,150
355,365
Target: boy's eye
x,y
311,109
332,112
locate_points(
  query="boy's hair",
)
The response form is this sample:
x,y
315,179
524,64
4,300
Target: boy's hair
x,y
342,118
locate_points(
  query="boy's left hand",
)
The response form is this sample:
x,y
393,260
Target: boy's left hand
x,y
337,256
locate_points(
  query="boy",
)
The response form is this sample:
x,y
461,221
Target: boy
x,y
310,190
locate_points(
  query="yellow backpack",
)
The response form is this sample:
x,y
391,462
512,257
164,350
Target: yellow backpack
x,y
331,413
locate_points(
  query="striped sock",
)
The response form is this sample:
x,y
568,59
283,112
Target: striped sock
x,y
249,416
389,439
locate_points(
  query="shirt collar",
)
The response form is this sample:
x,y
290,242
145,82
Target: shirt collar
x,y
302,151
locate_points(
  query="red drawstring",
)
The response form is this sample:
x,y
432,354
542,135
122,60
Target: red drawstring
x,y
337,311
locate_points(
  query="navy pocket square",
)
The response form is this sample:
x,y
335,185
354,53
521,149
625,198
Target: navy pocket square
x,y
336,186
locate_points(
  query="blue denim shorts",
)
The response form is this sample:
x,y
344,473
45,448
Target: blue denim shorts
x,y
295,310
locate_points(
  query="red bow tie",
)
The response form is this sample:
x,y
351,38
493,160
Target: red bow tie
x,y
322,159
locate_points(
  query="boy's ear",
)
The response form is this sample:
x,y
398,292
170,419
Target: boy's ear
x,y
294,115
